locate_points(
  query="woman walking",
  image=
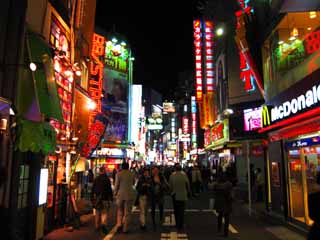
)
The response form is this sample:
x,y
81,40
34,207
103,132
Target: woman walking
x,y
223,202
159,186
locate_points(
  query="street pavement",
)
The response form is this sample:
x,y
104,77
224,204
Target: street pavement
x,y
200,224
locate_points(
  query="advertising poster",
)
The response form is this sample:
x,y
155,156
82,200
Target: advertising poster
x,y
115,104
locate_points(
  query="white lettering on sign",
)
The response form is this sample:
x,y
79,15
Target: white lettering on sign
x,y
302,102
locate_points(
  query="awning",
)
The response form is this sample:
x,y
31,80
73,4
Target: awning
x,y
37,90
35,137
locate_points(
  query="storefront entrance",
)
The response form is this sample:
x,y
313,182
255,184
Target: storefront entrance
x,y
302,165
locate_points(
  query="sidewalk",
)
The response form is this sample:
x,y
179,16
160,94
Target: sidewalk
x,y
85,232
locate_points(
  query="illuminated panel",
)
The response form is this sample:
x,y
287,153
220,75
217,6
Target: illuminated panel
x,y
209,56
198,58
245,8
185,125
194,122
246,75
96,74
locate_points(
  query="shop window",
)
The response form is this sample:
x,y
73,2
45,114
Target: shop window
x,y
291,52
23,186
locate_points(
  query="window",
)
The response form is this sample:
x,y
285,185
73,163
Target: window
x,y
290,52
23,186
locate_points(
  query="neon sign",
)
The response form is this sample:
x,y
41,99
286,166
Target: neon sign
x,y
198,58
185,125
246,75
96,74
209,55
194,121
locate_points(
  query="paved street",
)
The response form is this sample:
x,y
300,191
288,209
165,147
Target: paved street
x,y
200,224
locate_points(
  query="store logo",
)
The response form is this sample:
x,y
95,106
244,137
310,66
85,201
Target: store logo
x,y
310,98
265,116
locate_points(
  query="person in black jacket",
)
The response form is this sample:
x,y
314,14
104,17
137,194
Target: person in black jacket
x,y
314,212
102,197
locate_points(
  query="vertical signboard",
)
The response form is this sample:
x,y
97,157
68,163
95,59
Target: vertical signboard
x,y
197,29
208,40
194,122
136,107
96,74
115,88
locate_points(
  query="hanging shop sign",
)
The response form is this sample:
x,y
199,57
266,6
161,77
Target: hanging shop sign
x,y
210,72
252,119
96,74
297,99
95,135
194,122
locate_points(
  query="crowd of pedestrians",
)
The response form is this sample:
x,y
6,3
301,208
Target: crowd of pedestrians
x,y
147,187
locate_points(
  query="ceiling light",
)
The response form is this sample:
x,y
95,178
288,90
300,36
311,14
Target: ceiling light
x,y
280,42
309,28
292,38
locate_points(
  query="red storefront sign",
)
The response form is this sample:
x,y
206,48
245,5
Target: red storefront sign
x,y
217,132
207,137
96,74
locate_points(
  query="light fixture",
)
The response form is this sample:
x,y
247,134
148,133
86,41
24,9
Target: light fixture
x,y
228,111
3,124
295,32
63,138
33,66
123,43
78,73
91,105
67,73
114,40
220,31
280,42
309,28
74,138
292,38
73,151
11,112
312,14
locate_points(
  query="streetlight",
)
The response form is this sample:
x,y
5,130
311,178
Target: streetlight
x,y
219,31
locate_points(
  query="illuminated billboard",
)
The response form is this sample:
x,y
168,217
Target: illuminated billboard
x,y
208,40
252,119
197,29
117,55
136,108
168,107
194,122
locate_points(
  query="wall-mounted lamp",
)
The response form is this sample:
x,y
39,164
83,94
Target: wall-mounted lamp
x,y
3,124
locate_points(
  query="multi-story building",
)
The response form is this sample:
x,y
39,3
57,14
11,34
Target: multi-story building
x,y
290,114
44,56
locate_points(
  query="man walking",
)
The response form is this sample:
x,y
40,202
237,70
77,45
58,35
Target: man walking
x,y
180,187
144,188
101,197
125,196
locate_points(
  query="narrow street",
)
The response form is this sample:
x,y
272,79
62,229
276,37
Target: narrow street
x,y
200,223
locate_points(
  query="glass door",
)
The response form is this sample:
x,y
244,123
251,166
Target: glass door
x,y
302,165
296,186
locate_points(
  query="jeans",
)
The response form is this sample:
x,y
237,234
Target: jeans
x,y
153,210
102,214
143,205
226,217
179,207
124,208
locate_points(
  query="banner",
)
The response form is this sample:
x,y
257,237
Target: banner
x,y
95,135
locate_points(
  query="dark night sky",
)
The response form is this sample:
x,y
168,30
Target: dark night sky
x,y
160,35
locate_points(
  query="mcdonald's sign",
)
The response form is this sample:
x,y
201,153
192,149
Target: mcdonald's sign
x,y
266,115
